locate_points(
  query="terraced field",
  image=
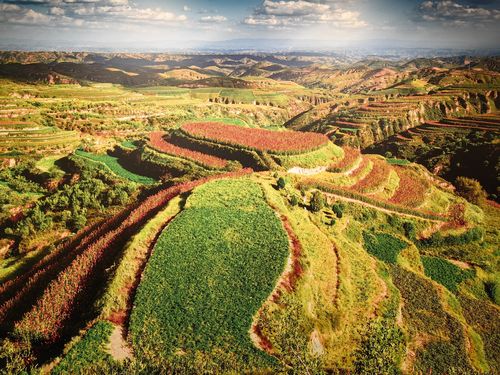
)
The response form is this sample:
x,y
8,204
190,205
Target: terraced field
x,y
451,147
115,167
256,139
224,217
28,135
238,248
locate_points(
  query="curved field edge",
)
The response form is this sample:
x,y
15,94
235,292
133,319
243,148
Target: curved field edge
x,y
119,293
115,167
210,271
243,137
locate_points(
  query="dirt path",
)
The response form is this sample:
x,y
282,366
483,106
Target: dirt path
x,y
307,171
386,210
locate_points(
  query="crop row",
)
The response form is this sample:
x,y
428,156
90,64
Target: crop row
x,y
47,317
285,142
157,142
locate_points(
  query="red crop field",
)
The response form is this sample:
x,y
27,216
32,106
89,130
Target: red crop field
x,y
157,141
343,165
286,142
378,175
412,189
46,319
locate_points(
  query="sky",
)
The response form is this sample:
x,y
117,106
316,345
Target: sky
x,y
155,24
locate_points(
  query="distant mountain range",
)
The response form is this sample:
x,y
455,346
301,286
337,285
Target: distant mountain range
x,y
380,47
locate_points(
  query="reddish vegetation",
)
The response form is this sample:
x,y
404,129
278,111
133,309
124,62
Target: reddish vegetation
x,y
456,217
291,278
359,170
51,311
493,204
157,141
412,189
264,342
256,139
350,157
377,176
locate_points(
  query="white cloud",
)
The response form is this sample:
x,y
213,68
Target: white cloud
x,y
56,11
213,19
88,13
451,13
185,8
297,13
12,13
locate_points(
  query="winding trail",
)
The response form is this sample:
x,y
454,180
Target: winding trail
x,y
386,210
307,171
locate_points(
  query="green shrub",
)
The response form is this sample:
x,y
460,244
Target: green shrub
x,y
281,183
410,230
437,239
384,246
492,288
471,190
338,210
294,200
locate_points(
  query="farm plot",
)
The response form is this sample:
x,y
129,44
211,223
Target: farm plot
x,y
211,270
424,315
348,162
115,167
290,142
157,142
445,273
412,189
376,179
312,159
384,246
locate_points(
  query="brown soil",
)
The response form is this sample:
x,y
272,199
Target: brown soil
x,y
118,346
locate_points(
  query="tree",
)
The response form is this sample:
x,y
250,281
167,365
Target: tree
x,y
317,201
337,209
470,189
294,200
281,183
410,231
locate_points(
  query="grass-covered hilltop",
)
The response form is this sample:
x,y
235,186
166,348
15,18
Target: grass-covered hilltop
x,y
252,213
